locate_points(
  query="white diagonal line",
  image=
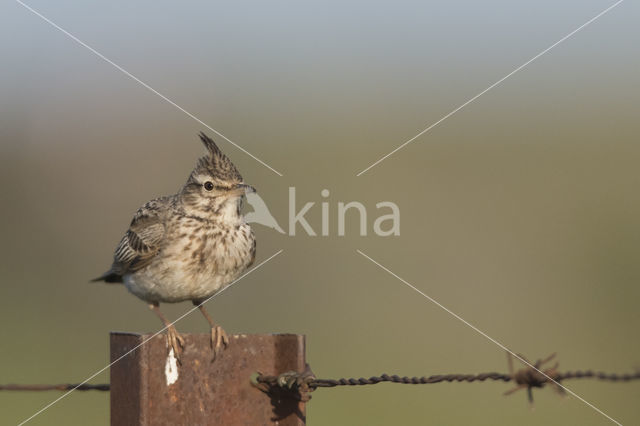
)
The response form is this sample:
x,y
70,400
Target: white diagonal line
x,y
52,403
133,77
458,317
492,86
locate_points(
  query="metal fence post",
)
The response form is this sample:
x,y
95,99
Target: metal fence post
x,y
148,389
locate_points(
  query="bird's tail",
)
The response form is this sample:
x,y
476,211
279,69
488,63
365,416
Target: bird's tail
x,y
109,277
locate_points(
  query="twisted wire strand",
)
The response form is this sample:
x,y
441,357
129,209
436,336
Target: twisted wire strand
x,y
300,385
59,387
439,378
292,379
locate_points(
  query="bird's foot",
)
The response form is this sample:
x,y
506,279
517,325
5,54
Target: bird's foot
x,y
219,340
175,341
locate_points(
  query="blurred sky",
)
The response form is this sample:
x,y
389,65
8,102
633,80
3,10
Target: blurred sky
x,y
521,213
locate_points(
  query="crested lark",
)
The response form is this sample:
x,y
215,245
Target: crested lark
x,y
189,245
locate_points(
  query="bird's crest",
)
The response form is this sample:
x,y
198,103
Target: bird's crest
x,y
216,164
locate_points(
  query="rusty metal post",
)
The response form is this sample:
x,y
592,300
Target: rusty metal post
x,y
147,388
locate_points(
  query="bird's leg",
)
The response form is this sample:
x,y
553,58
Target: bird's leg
x,y
174,339
219,338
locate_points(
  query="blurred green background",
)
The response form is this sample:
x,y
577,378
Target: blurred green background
x,y
521,213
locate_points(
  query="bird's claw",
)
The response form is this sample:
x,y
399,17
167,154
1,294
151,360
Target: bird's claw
x,y
219,341
175,341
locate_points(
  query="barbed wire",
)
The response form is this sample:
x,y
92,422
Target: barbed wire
x,y
59,387
299,385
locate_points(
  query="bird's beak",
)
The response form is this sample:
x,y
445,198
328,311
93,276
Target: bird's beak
x,y
243,189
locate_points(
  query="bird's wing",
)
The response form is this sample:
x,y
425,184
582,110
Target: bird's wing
x,y
140,243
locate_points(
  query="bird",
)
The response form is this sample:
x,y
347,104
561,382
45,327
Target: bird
x,y
189,245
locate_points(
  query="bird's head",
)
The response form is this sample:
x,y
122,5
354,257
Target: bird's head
x,y
214,187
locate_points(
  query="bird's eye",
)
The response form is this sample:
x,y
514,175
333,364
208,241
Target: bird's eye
x,y
208,186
